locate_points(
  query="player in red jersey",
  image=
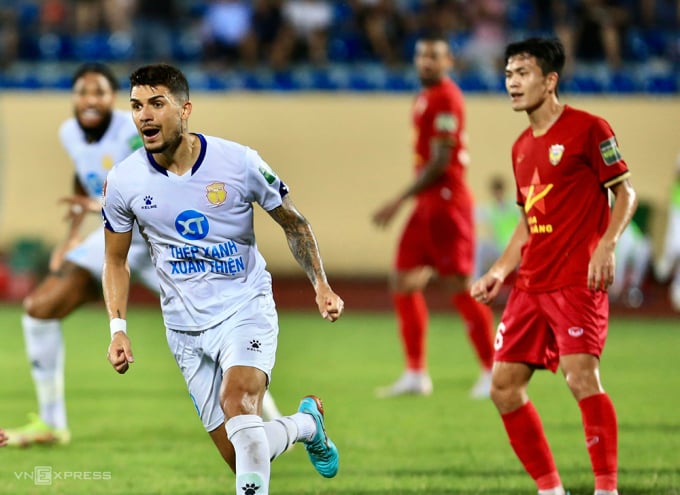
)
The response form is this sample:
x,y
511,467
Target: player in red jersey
x,y
565,164
439,236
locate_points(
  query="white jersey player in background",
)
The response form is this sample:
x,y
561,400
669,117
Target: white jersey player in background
x,y
95,138
192,198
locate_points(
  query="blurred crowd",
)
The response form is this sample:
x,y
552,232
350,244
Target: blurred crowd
x,y
281,33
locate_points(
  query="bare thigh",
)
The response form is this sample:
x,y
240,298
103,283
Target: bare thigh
x,y
61,292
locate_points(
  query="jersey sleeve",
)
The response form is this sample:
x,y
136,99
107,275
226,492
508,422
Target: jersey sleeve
x,y
605,156
446,118
115,213
265,187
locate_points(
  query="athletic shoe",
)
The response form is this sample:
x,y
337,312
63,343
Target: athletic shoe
x,y
321,450
37,432
482,387
409,383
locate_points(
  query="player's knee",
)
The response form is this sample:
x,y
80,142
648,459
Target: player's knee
x,y
583,383
45,305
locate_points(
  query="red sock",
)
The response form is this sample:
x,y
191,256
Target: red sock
x,y
412,315
479,322
527,439
599,424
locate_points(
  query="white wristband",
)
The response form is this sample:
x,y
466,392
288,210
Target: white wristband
x,y
118,325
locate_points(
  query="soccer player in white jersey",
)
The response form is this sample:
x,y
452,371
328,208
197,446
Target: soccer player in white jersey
x,y
95,138
192,197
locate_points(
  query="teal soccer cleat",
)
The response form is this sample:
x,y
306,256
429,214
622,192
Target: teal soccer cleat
x,y
322,451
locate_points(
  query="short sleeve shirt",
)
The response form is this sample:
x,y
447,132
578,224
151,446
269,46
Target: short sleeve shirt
x,y
562,180
199,227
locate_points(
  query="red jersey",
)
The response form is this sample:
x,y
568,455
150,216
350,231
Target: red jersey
x,y
439,112
562,180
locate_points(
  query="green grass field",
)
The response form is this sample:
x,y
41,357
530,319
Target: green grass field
x,y
140,430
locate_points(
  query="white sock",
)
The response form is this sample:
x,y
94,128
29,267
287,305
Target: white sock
x,y
45,350
306,426
281,435
606,492
247,434
558,490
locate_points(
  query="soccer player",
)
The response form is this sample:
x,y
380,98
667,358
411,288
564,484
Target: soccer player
x,y
668,265
566,164
439,235
496,222
95,138
192,197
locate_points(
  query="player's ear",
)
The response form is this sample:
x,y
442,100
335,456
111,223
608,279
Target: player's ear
x,y
186,110
553,80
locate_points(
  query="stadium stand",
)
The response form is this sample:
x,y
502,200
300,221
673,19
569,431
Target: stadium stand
x,y
615,46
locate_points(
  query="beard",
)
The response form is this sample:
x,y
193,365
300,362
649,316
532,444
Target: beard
x,y
169,144
94,134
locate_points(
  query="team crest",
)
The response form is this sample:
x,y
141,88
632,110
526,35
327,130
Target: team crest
x,y
216,193
107,162
555,153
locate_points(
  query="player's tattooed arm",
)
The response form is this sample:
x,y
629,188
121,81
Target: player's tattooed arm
x,y
301,240
305,249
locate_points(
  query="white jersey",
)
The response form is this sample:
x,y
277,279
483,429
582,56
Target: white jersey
x,y
199,227
92,161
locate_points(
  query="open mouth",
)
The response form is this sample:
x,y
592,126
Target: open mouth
x,y
150,132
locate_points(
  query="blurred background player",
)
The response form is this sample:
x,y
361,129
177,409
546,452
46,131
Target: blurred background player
x,y
3,438
633,258
496,221
566,163
95,138
668,265
439,236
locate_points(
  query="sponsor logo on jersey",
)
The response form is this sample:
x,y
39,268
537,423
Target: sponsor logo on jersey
x,y
535,193
555,153
609,149
93,183
267,172
192,225
575,331
216,193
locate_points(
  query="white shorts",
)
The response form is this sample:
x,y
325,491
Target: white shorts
x,y
90,256
247,338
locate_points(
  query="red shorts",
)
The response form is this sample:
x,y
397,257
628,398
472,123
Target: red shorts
x,y
538,328
440,236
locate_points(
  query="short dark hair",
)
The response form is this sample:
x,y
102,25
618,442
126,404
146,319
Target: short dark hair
x,y
96,68
549,53
162,75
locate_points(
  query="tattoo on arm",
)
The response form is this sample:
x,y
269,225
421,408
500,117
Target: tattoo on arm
x,y
301,240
